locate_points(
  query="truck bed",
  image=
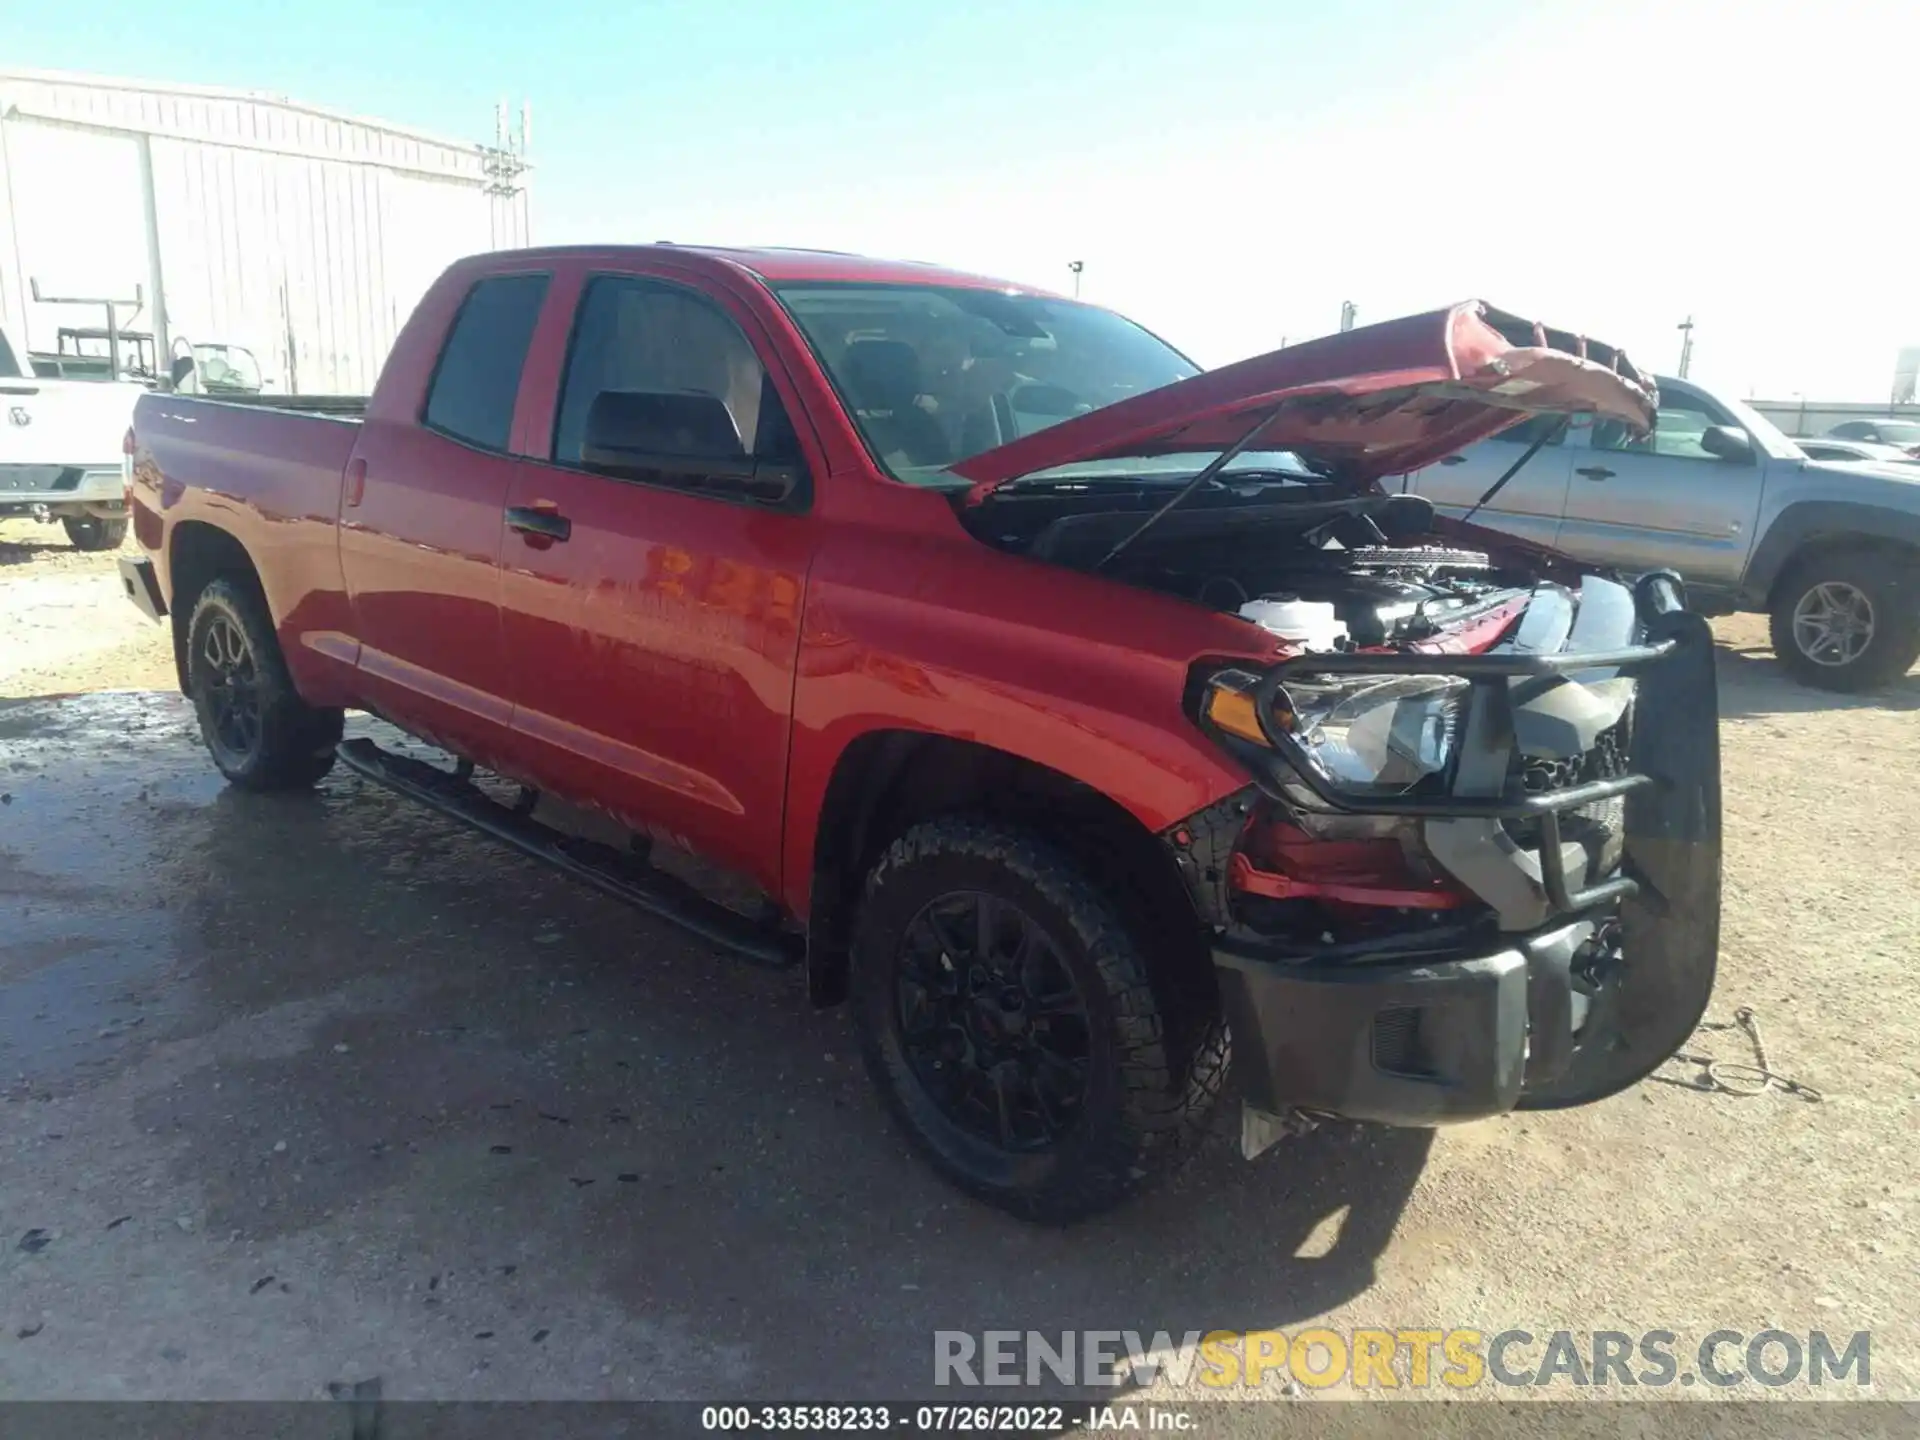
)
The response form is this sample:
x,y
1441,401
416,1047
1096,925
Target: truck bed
x,y
268,474
344,407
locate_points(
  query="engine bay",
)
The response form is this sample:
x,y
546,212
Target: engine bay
x,y
1323,568
1378,595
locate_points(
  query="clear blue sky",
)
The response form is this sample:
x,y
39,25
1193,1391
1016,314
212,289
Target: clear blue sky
x,y
1229,170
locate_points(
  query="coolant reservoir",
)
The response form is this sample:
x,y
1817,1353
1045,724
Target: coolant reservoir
x,y
1310,624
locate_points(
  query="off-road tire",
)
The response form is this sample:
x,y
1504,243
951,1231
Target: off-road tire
x,y
1891,584
1150,1084
294,742
93,532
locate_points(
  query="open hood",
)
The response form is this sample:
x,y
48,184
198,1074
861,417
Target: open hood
x,y
1380,400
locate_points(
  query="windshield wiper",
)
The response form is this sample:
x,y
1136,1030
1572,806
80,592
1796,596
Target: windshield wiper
x,y
1273,474
1088,482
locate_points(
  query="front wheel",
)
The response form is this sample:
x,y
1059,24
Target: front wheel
x,y
1848,622
91,532
1007,1017
261,734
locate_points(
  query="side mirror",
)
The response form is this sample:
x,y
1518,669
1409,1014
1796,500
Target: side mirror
x,y
680,439
1729,442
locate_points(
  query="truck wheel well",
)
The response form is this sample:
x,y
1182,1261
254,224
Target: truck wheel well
x,y
1852,542
197,555
888,781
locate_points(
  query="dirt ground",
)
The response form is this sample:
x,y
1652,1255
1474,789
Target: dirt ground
x,y
64,623
311,1090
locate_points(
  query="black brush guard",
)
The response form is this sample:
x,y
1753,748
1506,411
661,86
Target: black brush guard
x,y
1499,1024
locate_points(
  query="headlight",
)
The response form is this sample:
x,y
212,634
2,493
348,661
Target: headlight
x,y
1384,733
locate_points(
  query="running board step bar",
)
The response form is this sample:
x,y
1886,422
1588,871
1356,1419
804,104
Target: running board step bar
x,y
625,877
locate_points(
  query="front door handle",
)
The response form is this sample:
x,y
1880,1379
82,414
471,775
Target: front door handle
x,y
1595,472
541,522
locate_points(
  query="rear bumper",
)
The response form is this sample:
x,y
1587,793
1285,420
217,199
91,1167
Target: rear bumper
x,y
94,486
1411,1044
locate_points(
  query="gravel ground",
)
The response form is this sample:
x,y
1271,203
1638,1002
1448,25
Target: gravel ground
x,y
65,623
309,1090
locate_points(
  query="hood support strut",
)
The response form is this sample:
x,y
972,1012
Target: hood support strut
x,y
1212,468
1552,432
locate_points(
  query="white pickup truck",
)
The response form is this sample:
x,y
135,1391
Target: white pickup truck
x,y
60,449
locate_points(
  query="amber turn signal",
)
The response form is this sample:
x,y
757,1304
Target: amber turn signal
x,y
1229,707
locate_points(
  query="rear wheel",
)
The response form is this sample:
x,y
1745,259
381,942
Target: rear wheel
x,y
1848,621
92,532
261,734
1007,1016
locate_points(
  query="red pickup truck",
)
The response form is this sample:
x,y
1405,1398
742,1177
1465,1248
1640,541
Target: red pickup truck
x,y
1073,712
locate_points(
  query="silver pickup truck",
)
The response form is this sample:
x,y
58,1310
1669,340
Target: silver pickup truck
x,y
1829,551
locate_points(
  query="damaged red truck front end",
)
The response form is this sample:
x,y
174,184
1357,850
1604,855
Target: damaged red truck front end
x,y
1477,867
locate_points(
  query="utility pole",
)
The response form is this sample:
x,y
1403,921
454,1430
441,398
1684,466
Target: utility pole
x,y
1348,313
1686,345
1076,266
503,168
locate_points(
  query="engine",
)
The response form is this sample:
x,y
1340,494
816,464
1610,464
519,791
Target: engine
x,y
1377,596
1323,567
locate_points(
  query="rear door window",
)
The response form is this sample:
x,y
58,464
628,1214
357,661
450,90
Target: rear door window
x,y
478,377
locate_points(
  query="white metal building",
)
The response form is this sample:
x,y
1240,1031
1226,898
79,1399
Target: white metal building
x,y
242,218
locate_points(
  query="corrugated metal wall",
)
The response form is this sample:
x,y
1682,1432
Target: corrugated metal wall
x,y
303,235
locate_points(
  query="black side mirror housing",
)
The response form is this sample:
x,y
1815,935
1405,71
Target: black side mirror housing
x,y
1729,442
685,440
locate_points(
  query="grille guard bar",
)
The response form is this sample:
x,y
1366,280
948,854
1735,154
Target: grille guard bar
x,y
1655,594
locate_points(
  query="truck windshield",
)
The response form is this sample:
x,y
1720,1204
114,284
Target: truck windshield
x,y
933,374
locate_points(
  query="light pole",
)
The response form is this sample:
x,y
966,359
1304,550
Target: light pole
x,y
1686,345
1076,266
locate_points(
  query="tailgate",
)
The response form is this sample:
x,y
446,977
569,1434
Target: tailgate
x,y
64,423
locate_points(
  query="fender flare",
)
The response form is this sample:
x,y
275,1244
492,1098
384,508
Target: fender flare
x,y
1810,522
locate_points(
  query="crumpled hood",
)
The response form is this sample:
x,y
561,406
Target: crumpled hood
x,y
1380,400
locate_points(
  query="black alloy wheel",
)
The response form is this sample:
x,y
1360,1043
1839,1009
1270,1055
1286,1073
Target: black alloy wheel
x,y
260,732
231,686
1028,1043
991,1020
